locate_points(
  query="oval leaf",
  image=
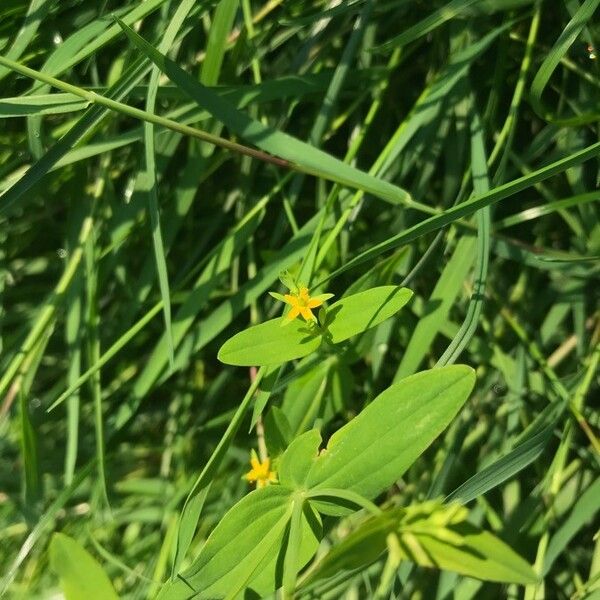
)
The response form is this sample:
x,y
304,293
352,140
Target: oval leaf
x,y
81,577
359,312
374,450
269,344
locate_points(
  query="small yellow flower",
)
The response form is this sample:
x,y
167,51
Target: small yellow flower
x,y
302,303
261,471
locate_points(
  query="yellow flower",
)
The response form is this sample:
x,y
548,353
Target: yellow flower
x,y
301,304
260,472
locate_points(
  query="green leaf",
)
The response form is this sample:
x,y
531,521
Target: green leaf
x,y
374,450
480,555
270,344
294,541
582,513
429,542
359,549
244,549
300,155
357,313
503,468
305,395
552,59
298,459
278,431
81,576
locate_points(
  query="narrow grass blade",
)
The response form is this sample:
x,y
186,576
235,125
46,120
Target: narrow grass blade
x,y
469,207
92,319
217,40
41,104
150,178
29,454
37,11
566,39
87,123
503,469
301,156
542,210
434,20
583,512
481,185
73,341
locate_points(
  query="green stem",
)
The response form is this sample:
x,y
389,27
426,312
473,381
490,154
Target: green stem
x,y
136,113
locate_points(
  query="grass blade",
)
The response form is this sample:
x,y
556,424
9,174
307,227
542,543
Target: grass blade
x,y
469,207
563,43
149,176
301,156
481,185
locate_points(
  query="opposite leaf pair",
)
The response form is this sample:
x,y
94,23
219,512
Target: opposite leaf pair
x,y
270,344
270,535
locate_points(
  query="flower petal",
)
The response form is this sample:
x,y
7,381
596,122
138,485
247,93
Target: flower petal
x,y
306,313
314,302
290,299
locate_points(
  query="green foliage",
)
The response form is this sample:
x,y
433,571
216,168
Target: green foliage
x,y
80,574
345,199
361,460
269,344
374,450
356,313
431,536
243,550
